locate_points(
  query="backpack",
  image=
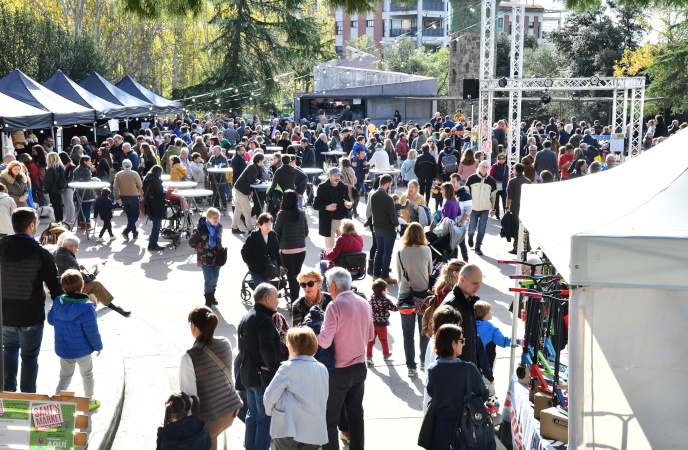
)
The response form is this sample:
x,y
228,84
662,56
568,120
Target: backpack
x,y
449,163
475,424
49,235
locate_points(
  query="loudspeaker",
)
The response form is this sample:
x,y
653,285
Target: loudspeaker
x,y
471,86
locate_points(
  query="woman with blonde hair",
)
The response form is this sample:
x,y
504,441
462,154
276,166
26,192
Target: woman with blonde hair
x,y
283,142
448,278
468,165
16,182
408,172
411,200
311,283
391,152
55,184
414,265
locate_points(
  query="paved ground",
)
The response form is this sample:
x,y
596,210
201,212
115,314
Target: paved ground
x,y
142,352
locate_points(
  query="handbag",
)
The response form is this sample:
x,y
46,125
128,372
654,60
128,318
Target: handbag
x,y
427,427
221,258
271,268
142,203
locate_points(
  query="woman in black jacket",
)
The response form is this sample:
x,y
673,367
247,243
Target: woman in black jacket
x,y
155,205
55,184
260,247
291,227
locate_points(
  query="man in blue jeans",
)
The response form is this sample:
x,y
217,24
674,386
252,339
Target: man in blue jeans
x,y
483,189
385,220
128,190
25,266
261,354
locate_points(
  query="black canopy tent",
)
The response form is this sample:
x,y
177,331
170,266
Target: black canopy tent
x,y
65,112
62,85
161,105
102,88
15,115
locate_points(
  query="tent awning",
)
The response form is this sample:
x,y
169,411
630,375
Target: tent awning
x,y
65,112
161,104
102,88
16,115
62,85
621,227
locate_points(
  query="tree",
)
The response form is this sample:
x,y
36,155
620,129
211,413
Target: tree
x,y
543,61
365,44
402,55
39,47
503,55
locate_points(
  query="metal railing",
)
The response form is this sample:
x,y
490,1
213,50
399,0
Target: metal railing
x,y
434,6
433,32
403,6
395,32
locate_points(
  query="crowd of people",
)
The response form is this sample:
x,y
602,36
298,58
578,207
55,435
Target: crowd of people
x,y
298,383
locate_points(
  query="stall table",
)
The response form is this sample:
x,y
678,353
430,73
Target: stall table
x,y
259,187
218,185
187,225
393,172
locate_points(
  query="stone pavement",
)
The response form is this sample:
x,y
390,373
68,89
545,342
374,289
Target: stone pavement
x,y
140,360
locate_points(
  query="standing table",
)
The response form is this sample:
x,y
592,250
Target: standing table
x,y
333,153
80,188
259,187
393,172
187,224
213,180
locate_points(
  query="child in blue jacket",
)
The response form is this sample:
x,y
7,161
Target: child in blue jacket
x,y
489,334
76,333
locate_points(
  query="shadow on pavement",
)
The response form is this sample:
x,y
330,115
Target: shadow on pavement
x,y
400,388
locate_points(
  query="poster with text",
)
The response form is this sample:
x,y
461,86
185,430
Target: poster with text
x,y
52,426
14,423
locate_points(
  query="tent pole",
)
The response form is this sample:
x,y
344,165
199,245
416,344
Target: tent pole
x,y
95,132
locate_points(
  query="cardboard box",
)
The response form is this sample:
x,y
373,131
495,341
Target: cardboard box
x,y
554,425
542,401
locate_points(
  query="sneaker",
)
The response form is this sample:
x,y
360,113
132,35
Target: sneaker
x,y
421,366
237,231
125,236
68,221
93,404
412,372
390,280
370,361
101,239
113,237
470,241
345,436
386,357
478,251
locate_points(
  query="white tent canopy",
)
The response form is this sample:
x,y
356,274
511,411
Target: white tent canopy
x,y
621,239
622,227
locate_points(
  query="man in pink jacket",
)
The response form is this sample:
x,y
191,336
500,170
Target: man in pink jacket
x,y
348,325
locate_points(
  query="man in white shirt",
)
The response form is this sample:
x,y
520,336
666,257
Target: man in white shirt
x,y
380,158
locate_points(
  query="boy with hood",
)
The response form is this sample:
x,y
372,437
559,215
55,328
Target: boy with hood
x,y
76,333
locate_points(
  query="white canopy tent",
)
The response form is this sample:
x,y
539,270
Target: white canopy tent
x,y
621,240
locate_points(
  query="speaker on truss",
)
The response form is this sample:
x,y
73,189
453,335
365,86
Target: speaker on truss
x,y
471,88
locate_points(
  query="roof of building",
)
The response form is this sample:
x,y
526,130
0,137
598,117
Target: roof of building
x,y
506,5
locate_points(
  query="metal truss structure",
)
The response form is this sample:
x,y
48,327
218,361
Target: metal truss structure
x,y
488,11
514,135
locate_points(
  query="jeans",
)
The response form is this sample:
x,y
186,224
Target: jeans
x,y
155,232
425,188
479,219
67,372
323,270
383,256
407,326
257,422
85,213
210,276
68,203
28,340
130,204
347,385
500,193
56,202
293,262
259,278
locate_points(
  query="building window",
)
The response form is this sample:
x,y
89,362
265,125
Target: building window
x,y
370,24
500,25
354,24
405,26
338,28
531,24
339,50
432,27
384,29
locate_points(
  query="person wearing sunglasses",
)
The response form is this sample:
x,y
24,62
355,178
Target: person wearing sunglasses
x,y
500,172
310,282
446,384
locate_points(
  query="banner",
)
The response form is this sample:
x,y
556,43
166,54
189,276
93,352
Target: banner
x,y
36,425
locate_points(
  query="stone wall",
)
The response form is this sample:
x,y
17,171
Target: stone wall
x,y
464,62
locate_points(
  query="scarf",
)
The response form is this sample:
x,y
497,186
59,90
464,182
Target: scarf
x,y
212,231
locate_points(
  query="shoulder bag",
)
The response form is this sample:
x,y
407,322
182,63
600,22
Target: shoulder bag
x,y
427,427
221,258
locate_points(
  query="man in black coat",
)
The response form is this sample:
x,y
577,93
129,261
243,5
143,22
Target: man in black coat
x,y
243,191
552,127
156,208
347,115
24,266
348,140
288,176
463,298
333,204
261,354
426,171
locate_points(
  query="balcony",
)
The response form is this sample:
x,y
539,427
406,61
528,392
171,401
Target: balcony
x,y
396,32
433,32
434,6
403,7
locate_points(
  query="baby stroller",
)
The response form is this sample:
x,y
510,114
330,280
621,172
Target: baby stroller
x,y
50,235
441,253
281,284
175,220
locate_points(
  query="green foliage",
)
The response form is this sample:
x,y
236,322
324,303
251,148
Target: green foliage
x,y
402,55
592,41
669,77
365,44
543,61
39,47
503,56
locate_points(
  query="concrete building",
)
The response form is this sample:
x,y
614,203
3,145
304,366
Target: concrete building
x,y
375,93
424,21
538,20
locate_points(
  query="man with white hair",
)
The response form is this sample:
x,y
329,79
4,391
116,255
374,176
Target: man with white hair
x,y
8,158
128,189
130,155
609,163
65,259
275,130
348,325
483,189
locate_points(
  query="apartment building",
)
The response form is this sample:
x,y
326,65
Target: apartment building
x,y
538,20
424,21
